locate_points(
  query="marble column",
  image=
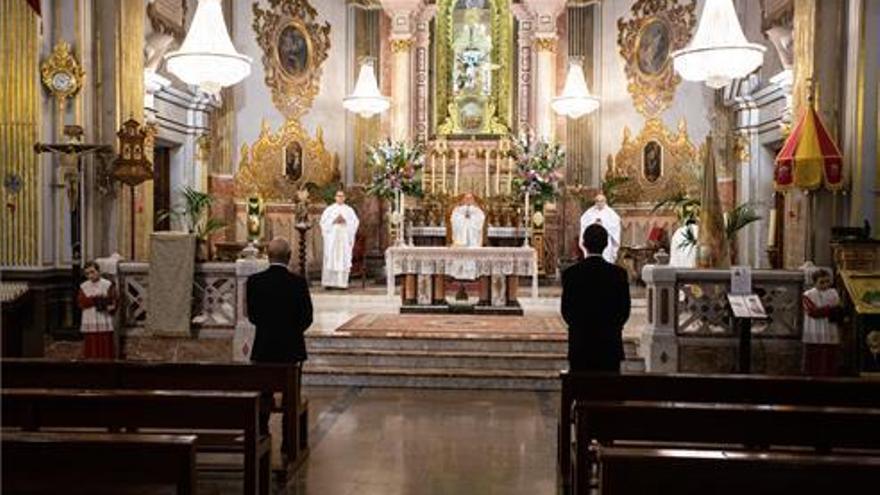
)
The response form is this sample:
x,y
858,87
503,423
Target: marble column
x,y
403,31
545,40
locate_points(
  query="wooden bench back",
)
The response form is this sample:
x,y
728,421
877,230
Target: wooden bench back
x,y
749,389
631,471
40,462
31,408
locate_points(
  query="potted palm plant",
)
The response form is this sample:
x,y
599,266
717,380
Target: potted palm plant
x,y
195,215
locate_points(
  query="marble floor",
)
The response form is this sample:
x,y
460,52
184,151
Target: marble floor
x,y
413,441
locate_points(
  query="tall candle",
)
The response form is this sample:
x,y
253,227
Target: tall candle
x,y
457,163
497,173
433,171
488,182
771,231
444,172
510,176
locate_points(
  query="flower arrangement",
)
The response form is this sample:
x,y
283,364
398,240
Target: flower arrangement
x,y
395,168
538,164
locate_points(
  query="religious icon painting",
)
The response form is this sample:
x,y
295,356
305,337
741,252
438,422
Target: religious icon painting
x,y
293,50
292,161
652,161
653,47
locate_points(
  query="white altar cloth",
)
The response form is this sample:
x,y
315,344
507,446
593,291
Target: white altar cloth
x,y
483,261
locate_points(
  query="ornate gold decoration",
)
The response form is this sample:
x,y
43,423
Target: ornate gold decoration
x,y
503,51
293,76
62,74
132,166
261,169
656,29
546,44
401,45
680,170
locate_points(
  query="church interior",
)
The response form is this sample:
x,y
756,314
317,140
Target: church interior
x,y
428,173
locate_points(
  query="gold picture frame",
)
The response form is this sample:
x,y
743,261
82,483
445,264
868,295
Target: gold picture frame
x,y
677,162
284,31
645,41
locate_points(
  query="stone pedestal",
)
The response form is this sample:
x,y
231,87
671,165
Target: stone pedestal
x,y
659,345
244,330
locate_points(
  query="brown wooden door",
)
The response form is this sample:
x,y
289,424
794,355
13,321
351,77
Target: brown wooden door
x,y
161,187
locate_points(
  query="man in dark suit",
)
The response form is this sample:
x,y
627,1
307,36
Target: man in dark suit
x,y
279,305
595,305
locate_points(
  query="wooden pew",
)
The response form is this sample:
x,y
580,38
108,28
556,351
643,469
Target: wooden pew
x,y
52,463
747,389
284,379
33,409
677,423
642,471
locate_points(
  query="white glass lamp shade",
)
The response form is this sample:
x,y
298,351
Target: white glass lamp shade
x,y
207,58
719,52
575,100
366,100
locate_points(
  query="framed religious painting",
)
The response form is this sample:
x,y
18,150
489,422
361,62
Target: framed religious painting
x,y
295,46
292,161
645,39
652,161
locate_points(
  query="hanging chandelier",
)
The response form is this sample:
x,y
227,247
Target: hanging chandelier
x,y
207,58
575,100
366,100
719,52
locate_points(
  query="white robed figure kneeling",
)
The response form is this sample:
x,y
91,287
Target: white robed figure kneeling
x,y
339,225
467,223
603,215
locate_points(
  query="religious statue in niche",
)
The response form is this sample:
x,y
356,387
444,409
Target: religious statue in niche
x,y
472,85
293,50
652,161
255,211
293,166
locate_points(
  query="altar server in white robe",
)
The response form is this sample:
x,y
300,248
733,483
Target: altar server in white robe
x,y
605,216
467,223
683,252
339,225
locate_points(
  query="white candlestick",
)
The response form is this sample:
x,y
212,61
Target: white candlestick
x,y
457,164
528,217
433,172
444,172
771,231
488,182
510,176
497,173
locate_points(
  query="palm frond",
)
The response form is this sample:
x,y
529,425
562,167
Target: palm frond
x,y
690,238
738,218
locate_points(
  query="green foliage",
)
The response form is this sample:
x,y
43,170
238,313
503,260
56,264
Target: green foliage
x,y
195,214
685,207
611,186
738,218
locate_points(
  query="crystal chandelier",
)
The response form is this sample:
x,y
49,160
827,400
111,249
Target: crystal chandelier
x,y
366,100
575,100
719,52
207,58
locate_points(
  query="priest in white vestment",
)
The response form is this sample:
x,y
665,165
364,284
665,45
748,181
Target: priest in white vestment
x,y
467,223
683,253
603,215
339,225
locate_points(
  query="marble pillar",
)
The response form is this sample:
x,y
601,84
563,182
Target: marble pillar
x,y
545,39
403,31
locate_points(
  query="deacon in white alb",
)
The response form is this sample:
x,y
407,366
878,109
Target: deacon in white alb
x,y
467,223
339,225
602,214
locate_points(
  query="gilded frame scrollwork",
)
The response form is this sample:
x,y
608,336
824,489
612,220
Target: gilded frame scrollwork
x,y
292,94
260,172
652,91
499,109
680,170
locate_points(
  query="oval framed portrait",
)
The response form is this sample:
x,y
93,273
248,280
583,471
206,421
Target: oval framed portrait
x,y
652,47
652,161
294,50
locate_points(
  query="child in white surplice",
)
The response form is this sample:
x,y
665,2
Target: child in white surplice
x,y
97,300
821,335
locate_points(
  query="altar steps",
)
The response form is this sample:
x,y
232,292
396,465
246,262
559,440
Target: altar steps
x,y
472,363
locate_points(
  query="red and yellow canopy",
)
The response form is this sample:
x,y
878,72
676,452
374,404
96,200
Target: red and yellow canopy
x,y
809,157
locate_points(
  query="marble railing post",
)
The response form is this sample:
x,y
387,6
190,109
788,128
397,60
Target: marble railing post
x,y
659,345
244,329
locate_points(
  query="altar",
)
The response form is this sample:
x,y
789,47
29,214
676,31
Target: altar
x,y
423,271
